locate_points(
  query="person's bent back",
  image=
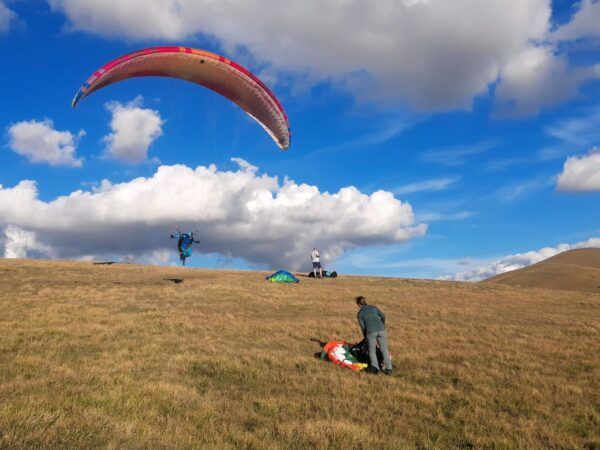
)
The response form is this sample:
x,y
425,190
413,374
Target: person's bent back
x,y
372,323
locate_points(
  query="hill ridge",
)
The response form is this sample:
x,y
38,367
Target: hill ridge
x,y
572,270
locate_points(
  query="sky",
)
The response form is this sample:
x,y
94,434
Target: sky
x,y
431,139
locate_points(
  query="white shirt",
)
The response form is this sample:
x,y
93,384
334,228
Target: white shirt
x,y
314,256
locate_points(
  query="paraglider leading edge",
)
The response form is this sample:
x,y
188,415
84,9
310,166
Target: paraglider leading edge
x,y
221,75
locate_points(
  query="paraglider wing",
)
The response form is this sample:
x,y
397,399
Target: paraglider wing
x,y
206,69
339,353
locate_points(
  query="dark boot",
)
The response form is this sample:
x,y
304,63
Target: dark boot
x,y
372,370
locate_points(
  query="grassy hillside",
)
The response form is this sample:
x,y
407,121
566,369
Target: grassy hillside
x,y
119,357
575,270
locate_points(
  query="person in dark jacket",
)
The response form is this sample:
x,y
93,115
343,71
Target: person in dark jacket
x,y
372,324
184,244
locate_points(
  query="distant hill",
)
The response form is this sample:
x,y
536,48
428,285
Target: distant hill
x,y
574,270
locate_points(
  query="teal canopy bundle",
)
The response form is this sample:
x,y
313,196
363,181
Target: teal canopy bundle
x,y
282,276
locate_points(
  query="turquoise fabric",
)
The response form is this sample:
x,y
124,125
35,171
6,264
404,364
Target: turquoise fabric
x,y
282,276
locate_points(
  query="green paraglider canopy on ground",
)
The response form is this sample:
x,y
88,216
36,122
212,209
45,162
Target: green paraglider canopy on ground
x,y
282,276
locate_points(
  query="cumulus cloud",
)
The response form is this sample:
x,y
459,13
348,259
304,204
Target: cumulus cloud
x,y
431,54
134,129
239,213
19,243
6,17
538,77
518,261
39,142
15,245
581,173
584,23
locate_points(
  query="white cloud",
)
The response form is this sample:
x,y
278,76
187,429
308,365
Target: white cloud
x,y
581,173
518,261
134,129
6,17
584,24
437,184
538,77
19,243
16,240
431,54
239,214
39,142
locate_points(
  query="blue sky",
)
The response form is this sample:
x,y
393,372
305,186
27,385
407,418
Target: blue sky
x,y
471,132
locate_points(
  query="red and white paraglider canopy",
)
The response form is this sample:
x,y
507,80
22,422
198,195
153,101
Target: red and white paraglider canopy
x,y
206,69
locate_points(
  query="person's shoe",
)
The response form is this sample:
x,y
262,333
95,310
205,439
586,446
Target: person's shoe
x,y
372,370
387,371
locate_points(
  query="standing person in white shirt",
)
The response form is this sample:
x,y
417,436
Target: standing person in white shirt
x,y
315,257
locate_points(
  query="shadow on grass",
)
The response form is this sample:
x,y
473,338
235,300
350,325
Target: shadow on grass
x,y
321,343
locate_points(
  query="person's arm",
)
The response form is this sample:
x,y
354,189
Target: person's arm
x,y
381,315
196,242
361,323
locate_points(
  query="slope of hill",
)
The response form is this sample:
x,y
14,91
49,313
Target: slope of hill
x,y
574,270
119,356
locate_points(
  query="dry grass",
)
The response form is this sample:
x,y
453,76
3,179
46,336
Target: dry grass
x,y
575,270
117,357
